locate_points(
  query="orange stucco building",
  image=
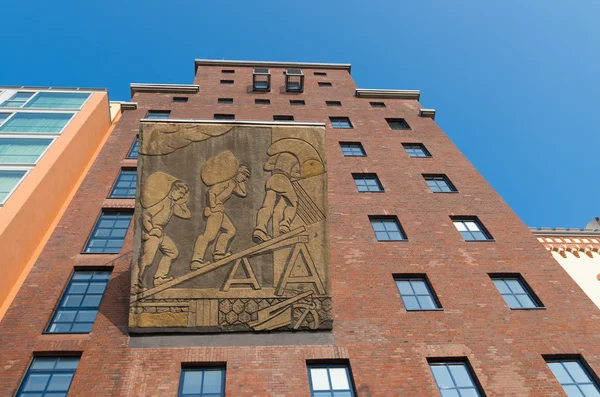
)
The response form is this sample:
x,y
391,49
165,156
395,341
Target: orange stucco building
x,y
49,137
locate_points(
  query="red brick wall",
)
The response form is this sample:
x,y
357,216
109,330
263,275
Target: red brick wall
x,y
387,347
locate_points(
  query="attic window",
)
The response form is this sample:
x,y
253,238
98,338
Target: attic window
x,y
294,80
261,79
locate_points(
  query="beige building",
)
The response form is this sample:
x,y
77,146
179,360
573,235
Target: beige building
x,y
578,252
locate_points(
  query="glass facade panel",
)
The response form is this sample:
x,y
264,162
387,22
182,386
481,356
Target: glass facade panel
x,y
36,123
22,150
58,100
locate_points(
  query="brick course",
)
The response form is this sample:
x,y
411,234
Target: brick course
x,y
387,347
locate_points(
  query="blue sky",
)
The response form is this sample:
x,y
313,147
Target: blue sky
x,y
516,83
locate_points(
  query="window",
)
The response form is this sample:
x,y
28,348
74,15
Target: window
x,y
17,100
283,118
320,74
294,80
125,185
416,150
377,104
79,304
325,84
57,100
158,114
261,79
439,184
9,180
298,102
330,380
36,123
226,81
340,122
22,150
387,228
134,151
333,103
398,124
229,71
48,377
352,149
202,382
220,116
225,100
416,293
471,229
109,232
367,183
574,377
180,99
3,116
515,293
455,379
262,101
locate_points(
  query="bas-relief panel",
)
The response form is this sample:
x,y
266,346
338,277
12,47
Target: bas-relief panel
x,y
230,229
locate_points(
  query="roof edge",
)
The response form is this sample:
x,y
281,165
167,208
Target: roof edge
x,y
275,64
240,122
545,231
391,94
174,88
35,87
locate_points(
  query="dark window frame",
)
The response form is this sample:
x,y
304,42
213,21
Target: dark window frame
x,y
225,100
261,76
336,120
333,103
135,145
554,358
294,80
227,82
403,235
202,368
438,177
433,361
421,146
327,364
394,122
360,146
418,277
367,176
474,219
319,74
262,101
228,71
51,372
539,305
112,195
325,84
98,218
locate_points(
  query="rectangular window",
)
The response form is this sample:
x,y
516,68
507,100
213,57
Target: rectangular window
x,y
3,116
226,81
9,179
320,74
262,101
228,71
36,123
325,84
367,183
416,293
134,151
471,229
330,380
377,104
333,103
515,292
221,116
352,149
180,99
109,232
283,118
125,185
398,124
57,100
574,377
17,100
439,184
455,379
224,100
298,102
22,150
387,228
416,150
48,377
340,122
202,382
294,80
158,114
79,304
261,79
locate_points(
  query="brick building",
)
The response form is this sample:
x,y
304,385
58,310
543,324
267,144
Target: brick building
x,y
437,286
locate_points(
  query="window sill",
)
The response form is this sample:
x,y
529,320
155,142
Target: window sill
x,y
441,309
480,241
528,308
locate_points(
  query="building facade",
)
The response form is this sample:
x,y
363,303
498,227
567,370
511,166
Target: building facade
x,y
578,252
48,140
436,286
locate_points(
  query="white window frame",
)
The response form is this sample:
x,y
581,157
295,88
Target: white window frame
x,y
36,92
20,134
53,139
15,168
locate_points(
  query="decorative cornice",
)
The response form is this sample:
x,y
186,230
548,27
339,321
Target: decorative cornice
x,y
392,94
126,105
275,64
238,122
427,113
556,232
170,88
37,88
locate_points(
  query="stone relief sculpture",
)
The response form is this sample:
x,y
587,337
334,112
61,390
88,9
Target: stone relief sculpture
x,y
259,262
226,177
163,196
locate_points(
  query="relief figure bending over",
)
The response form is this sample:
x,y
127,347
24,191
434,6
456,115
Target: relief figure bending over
x,y
163,196
224,176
